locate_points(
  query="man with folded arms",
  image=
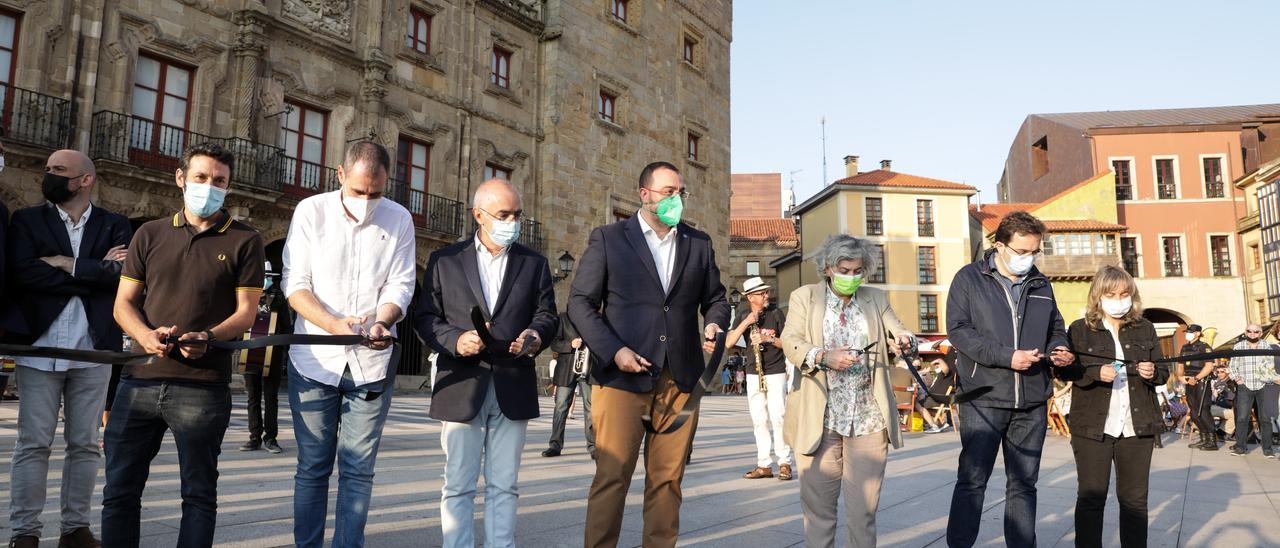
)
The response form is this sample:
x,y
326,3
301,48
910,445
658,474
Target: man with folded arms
x,y
348,270
67,255
192,277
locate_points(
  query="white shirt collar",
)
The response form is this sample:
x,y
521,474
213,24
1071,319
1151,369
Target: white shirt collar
x,y
649,231
66,218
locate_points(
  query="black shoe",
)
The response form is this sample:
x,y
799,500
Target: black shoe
x,y
593,453
1209,446
251,445
1237,452
551,452
1196,445
1159,442
1269,453
272,447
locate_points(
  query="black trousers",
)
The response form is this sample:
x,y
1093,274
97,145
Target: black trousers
x,y
1199,400
1131,457
264,419
564,400
1248,401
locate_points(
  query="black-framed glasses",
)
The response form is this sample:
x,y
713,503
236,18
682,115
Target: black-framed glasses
x,y
683,193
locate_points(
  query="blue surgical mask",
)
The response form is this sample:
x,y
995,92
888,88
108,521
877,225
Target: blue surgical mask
x,y
504,233
203,200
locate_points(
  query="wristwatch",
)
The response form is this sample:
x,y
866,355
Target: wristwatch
x,y
384,324
209,335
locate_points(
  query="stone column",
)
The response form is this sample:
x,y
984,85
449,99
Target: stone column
x,y
249,47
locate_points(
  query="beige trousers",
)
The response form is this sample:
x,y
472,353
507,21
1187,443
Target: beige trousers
x,y
852,466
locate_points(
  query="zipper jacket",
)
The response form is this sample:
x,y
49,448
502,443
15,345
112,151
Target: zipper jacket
x,y
986,324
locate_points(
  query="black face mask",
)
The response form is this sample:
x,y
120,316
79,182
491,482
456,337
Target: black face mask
x,y
55,188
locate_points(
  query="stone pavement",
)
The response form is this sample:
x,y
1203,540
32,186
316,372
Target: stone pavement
x,y
1197,498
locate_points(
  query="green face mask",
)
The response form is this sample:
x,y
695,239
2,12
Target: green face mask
x,y
844,284
670,209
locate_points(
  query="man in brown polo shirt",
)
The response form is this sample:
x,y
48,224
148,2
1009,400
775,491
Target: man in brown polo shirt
x,y
194,276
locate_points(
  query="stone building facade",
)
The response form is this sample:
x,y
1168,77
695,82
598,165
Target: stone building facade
x,y
566,98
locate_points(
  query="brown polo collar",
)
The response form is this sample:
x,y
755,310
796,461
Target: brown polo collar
x,y
180,221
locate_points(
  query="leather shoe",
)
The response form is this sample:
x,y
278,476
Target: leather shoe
x,y
24,542
784,472
759,472
551,452
79,538
251,445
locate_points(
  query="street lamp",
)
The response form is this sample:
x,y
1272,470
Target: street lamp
x,y
735,297
564,266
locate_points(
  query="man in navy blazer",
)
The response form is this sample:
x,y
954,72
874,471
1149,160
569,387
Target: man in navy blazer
x,y
64,261
484,396
635,300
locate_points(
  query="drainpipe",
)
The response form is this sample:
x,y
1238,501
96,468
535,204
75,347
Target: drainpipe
x,y
78,70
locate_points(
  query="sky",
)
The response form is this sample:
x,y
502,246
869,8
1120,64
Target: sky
x,y
941,87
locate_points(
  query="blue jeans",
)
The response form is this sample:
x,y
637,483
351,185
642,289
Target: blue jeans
x,y
500,440
345,421
983,432
198,415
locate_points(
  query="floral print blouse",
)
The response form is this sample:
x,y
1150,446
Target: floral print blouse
x,y
851,406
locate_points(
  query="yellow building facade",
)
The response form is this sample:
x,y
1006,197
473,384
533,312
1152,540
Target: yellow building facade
x,y
1249,228
920,225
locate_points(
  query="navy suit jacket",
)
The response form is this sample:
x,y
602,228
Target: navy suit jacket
x,y
526,301
617,301
41,291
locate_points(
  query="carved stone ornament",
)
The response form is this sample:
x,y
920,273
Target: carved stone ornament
x,y
331,17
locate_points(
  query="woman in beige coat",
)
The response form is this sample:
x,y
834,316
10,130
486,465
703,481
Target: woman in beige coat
x,y
842,417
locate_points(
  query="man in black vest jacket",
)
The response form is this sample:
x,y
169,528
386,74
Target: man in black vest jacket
x,y
635,299
1004,321
566,381
64,259
485,399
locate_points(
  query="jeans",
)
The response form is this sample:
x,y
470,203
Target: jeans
x,y
198,415
264,402
1248,401
500,440
564,400
343,421
983,432
81,392
767,410
1132,459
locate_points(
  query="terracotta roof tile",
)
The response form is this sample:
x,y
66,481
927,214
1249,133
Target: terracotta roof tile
x,y
881,177
781,231
990,214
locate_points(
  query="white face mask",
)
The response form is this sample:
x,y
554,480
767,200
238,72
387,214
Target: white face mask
x,y
360,209
1117,308
1191,337
1019,265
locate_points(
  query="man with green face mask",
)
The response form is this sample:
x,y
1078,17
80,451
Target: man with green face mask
x,y
658,275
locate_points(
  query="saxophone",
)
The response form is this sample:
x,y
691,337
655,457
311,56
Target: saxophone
x,y
581,357
764,386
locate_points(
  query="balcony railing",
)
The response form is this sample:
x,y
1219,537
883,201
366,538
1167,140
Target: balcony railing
x,y
430,212
34,118
144,143
875,227
531,235
1075,266
926,229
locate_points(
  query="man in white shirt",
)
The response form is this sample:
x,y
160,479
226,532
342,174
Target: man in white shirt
x,y
67,256
485,396
348,269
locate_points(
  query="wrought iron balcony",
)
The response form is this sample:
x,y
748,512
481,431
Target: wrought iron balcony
x,y
144,143
35,119
430,212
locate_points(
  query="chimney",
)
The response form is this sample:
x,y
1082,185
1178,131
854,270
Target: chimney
x,y
884,164
850,166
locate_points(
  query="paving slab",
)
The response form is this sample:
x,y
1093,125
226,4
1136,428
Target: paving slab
x,y
1197,498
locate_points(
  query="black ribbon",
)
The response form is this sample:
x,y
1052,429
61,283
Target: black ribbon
x,y
140,358
1218,354
498,349
947,399
691,404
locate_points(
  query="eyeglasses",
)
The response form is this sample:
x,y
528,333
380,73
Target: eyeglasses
x,y
513,216
1253,331
684,194
1022,253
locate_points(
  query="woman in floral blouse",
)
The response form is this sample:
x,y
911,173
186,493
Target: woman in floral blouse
x,y
842,417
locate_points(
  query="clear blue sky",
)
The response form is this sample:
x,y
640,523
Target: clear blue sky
x,y
940,87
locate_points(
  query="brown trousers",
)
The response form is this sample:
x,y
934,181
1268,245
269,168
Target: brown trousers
x,y
619,433
851,466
